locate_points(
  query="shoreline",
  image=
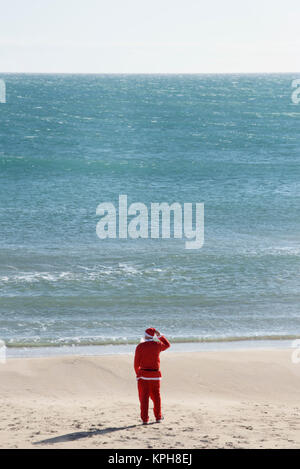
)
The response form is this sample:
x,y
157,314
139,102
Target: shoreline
x,y
121,349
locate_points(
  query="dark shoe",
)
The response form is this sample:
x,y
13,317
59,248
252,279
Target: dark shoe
x,y
145,423
160,420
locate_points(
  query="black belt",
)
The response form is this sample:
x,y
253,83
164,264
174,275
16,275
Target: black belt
x,y
147,369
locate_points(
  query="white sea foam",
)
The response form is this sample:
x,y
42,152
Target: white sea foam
x,y
86,274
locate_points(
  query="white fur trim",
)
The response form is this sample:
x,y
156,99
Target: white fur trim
x,y
148,379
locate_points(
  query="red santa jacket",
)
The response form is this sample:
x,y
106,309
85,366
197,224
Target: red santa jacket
x,y
147,361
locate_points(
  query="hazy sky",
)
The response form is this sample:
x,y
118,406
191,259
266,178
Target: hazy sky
x,y
158,36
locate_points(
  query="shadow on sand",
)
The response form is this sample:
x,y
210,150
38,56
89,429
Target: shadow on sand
x,y
79,435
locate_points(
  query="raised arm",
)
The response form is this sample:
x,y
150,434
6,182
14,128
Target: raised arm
x,y
164,343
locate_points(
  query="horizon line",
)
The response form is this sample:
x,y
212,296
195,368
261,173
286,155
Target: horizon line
x,y
150,73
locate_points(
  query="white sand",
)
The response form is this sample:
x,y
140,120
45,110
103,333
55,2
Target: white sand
x,y
238,399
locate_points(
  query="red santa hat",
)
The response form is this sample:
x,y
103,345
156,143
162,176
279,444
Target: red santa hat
x,y
150,332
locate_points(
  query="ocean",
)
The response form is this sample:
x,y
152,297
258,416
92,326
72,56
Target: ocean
x,y
71,142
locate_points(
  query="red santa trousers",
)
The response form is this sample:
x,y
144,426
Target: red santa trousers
x,y
149,388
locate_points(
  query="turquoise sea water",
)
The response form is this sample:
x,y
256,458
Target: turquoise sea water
x,y
70,142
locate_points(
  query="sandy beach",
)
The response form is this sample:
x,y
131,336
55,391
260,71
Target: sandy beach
x,y
231,399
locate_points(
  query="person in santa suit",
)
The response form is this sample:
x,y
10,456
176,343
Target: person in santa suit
x,y
147,369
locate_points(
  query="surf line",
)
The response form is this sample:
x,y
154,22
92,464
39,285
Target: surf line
x,y
161,220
